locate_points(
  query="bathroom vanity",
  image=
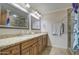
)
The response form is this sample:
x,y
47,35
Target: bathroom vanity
x,y
24,45
13,17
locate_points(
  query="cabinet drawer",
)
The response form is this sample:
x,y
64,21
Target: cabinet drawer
x,y
26,44
11,50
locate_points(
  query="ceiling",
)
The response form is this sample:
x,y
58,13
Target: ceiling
x,y
45,8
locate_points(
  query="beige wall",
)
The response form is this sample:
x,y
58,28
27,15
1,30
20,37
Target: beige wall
x,y
51,19
4,31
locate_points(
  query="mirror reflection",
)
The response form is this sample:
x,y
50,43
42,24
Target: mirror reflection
x,y
10,17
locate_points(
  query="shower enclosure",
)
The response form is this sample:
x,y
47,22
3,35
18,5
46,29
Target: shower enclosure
x,y
73,28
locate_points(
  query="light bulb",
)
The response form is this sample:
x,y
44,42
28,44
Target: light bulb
x,y
27,5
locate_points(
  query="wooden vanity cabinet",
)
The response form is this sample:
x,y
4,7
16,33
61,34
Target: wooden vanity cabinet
x,y
40,44
45,38
29,47
26,51
25,47
13,50
34,49
0,52
46,42
32,46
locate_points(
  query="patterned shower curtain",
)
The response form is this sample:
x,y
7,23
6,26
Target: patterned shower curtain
x,y
76,26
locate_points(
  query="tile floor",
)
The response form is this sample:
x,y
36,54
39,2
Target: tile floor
x,y
55,51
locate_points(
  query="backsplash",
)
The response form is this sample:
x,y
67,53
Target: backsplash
x,y
6,33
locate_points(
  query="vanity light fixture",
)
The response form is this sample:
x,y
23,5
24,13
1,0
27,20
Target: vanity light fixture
x,y
19,7
27,5
37,14
32,14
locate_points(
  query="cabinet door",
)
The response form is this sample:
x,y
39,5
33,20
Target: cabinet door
x,y
34,49
26,44
46,42
25,47
26,51
45,38
43,41
14,50
40,44
6,52
0,52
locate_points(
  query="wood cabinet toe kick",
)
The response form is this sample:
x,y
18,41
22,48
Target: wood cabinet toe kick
x,y
29,47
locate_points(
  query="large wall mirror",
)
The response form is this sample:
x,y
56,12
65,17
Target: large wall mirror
x,y
11,17
35,23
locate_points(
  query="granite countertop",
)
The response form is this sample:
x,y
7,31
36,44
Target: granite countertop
x,y
14,40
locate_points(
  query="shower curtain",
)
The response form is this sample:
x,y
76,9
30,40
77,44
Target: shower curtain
x,y
76,27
